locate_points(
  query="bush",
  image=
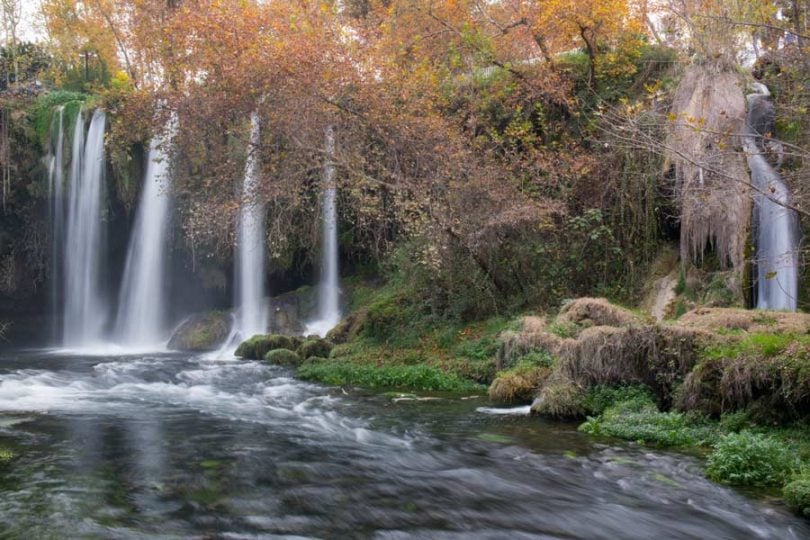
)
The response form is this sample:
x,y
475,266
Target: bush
x,y
6,455
283,357
640,420
750,459
519,383
315,347
797,495
601,397
420,377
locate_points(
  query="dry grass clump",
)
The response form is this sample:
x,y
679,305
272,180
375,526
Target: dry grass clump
x,y
560,398
652,355
596,312
518,385
767,375
533,336
720,319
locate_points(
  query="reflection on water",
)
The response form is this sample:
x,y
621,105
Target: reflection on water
x,y
172,447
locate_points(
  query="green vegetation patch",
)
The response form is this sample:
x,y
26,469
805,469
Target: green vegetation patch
x,y
418,377
45,108
751,459
640,420
797,494
283,357
6,455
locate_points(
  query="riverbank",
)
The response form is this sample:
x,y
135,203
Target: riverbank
x,y
729,384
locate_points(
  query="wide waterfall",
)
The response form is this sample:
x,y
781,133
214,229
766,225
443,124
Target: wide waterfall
x,y
251,314
56,209
84,313
141,320
777,228
329,287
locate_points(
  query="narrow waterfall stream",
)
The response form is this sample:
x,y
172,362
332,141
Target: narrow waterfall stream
x,y
777,228
251,311
329,286
85,313
141,320
56,209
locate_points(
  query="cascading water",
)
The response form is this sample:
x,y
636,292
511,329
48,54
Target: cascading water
x,y
84,313
141,320
329,287
251,316
777,229
56,183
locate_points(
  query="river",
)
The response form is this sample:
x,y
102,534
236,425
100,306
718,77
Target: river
x,y
172,446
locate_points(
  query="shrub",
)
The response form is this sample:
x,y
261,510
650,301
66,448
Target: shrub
x,y
6,455
418,377
283,357
315,347
797,495
519,383
640,420
601,397
750,459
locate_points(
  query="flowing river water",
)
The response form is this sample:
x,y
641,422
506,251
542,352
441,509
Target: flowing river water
x,y
171,446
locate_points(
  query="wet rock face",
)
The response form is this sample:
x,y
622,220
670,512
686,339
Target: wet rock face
x,y
761,115
201,332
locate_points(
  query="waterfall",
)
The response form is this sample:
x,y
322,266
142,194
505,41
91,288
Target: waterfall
x,y
56,211
251,316
777,228
84,313
141,319
329,286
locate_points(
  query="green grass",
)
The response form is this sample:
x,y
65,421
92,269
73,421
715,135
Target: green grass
x,y
759,345
418,377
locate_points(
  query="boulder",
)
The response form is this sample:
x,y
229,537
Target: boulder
x,y
201,332
315,347
283,357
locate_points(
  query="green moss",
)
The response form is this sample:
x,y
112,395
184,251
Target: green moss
x,y
45,107
315,347
759,345
283,357
259,345
751,459
418,377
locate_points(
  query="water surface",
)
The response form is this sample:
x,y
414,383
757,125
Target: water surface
x,y
168,446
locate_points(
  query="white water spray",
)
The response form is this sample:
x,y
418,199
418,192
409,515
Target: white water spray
x,y
141,320
776,225
329,287
251,316
56,184
85,314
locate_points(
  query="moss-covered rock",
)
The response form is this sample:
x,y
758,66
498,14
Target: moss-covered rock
x,y
349,328
283,357
201,332
315,347
797,495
